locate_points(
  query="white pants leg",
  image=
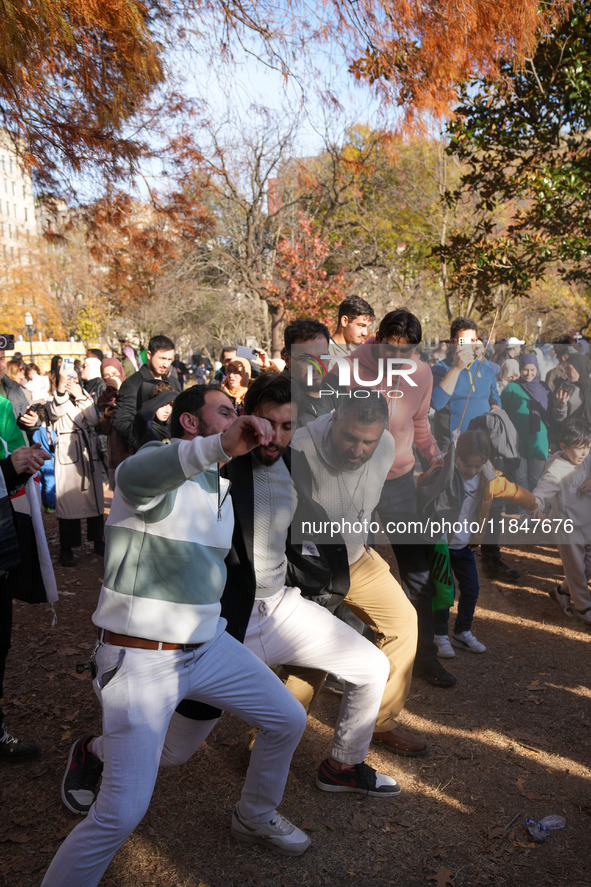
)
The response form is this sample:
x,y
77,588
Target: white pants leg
x,y
138,703
287,629
183,738
576,560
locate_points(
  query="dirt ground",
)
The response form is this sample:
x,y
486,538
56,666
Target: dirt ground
x,y
510,740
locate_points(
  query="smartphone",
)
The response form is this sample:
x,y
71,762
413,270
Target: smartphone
x,y
567,387
67,367
464,341
248,353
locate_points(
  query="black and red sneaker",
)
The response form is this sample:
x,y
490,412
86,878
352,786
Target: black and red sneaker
x,y
360,779
81,779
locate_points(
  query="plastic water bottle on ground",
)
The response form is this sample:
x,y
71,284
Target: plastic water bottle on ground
x,y
540,830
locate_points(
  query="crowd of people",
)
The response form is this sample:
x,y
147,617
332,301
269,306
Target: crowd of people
x,y
240,567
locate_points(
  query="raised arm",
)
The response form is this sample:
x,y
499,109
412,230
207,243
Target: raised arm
x,y
159,468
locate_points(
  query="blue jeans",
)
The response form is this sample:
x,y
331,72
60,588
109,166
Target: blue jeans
x,y
463,565
529,472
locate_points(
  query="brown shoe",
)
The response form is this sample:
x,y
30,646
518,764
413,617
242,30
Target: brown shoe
x,y
402,743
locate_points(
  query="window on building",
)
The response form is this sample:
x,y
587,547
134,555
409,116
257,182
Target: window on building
x,y
11,165
4,164
26,214
13,189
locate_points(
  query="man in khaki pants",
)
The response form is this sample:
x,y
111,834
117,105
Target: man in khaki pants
x,y
350,453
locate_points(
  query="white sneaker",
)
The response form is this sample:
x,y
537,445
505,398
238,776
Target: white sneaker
x,y
444,648
563,600
584,615
466,641
278,834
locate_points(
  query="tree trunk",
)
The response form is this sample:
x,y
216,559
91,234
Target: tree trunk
x,y
276,313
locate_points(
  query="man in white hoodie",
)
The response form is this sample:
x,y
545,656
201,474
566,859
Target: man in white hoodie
x,y
564,490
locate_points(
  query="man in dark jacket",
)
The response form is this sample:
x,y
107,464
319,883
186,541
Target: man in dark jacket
x,y
275,620
314,392
15,470
140,386
26,418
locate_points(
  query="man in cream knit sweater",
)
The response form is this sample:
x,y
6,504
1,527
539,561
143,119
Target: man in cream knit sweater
x,y
350,453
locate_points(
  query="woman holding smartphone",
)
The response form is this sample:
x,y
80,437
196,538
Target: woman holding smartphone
x,y
78,480
572,398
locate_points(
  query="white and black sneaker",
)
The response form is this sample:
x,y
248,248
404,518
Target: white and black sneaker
x,y
444,648
15,751
563,600
584,615
465,640
360,780
279,834
81,779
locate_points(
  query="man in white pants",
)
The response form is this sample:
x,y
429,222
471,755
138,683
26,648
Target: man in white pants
x,y
275,620
162,639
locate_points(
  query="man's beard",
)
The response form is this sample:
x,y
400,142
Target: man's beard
x,y
343,463
267,459
309,387
204,429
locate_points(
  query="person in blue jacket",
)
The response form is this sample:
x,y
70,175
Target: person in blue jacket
x,y
464,387
45,437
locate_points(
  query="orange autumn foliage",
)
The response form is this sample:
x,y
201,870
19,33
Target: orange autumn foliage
x,y
301,282
79,79
72,72
134,241
416,53
413,54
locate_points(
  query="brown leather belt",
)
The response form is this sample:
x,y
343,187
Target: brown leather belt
x,y
125,640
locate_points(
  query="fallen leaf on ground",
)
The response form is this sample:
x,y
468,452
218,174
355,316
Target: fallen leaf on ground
x,y
443,877
496,833
16,838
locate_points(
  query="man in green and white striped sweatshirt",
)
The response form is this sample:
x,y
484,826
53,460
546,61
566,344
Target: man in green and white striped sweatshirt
x,y
162,639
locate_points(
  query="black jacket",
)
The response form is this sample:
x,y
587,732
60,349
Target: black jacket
x,y
9,547
324,579
132,394
20,570
309,408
